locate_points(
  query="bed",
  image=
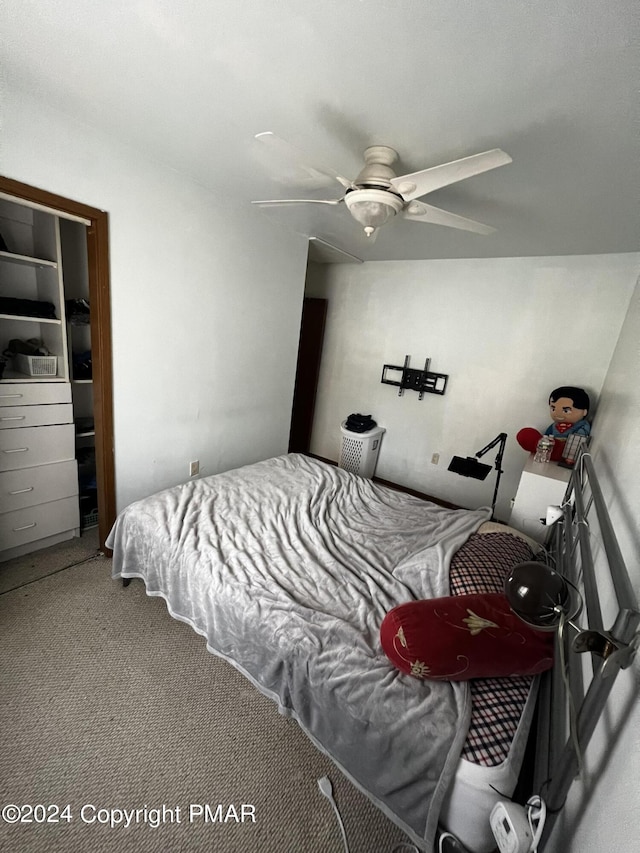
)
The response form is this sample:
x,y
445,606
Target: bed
x,y
288,567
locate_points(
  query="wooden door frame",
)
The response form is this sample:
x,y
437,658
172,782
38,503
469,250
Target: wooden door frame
x,y
101,351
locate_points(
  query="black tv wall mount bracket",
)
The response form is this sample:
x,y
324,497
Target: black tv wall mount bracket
x,y
408,378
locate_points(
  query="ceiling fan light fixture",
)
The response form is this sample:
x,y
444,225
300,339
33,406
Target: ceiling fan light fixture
x,y
372,208
377,194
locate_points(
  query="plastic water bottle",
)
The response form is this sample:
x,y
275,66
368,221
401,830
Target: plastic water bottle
x,y
544,449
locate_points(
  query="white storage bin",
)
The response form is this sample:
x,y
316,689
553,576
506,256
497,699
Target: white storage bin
x,y
37,365
359,450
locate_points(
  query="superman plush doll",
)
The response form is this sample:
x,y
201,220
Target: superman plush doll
x,y
569,408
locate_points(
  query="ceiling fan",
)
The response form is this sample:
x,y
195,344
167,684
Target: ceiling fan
x,y
377,194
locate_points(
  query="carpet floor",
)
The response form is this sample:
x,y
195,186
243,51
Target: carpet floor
x,y
48,561
109,705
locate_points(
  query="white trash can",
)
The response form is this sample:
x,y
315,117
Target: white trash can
x,y
359,450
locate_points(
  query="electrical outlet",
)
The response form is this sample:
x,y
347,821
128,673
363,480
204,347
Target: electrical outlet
x,y
194,468
435,458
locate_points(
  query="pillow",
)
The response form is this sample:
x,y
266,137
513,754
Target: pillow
x,y
497,527
462,637
484,562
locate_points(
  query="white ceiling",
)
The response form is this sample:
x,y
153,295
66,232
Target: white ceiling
x,y
554,83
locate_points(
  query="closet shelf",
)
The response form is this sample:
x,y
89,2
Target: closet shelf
x,y
25,259
22,318
13,376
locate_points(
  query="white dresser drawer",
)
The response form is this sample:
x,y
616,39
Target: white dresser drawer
x,y
34,393
30,486
12,417
38,522
31,446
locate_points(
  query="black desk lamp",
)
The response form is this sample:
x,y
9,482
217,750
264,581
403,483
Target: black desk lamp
x,y
546,600
470,467
540,596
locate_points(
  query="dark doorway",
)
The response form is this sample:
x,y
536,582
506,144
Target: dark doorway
x,y
314,312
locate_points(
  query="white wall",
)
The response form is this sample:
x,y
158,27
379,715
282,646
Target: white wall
x,y
603,814
206,302
507,331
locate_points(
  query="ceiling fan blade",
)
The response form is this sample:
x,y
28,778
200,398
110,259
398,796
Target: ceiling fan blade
x,y
426,181
418,211
274,202
295,165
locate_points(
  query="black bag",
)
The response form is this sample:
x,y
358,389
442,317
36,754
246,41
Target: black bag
x,y
78,313
82,367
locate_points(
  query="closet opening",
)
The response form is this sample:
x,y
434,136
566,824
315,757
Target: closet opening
x,y
69,270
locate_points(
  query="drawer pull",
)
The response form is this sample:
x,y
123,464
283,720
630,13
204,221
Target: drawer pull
x,y
9,396
21,491
16,450
24,527
14,418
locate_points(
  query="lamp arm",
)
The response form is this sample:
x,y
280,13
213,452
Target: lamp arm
x,y
495,493
500,453
500,439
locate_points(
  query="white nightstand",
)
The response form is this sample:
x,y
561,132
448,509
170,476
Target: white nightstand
x,y
542,484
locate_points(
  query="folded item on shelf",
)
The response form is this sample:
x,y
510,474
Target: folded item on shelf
x,y
78,313
32,346
87,483
86,457
85,424
27,308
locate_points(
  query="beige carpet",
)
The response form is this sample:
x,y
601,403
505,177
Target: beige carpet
x,y
109,703
38,564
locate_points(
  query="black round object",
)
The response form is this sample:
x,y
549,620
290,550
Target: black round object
x,y
537,594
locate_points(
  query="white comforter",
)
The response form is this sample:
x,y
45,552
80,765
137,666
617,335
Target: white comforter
x,y
288,567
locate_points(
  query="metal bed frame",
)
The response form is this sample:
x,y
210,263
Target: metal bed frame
x,y
570,703
563,736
